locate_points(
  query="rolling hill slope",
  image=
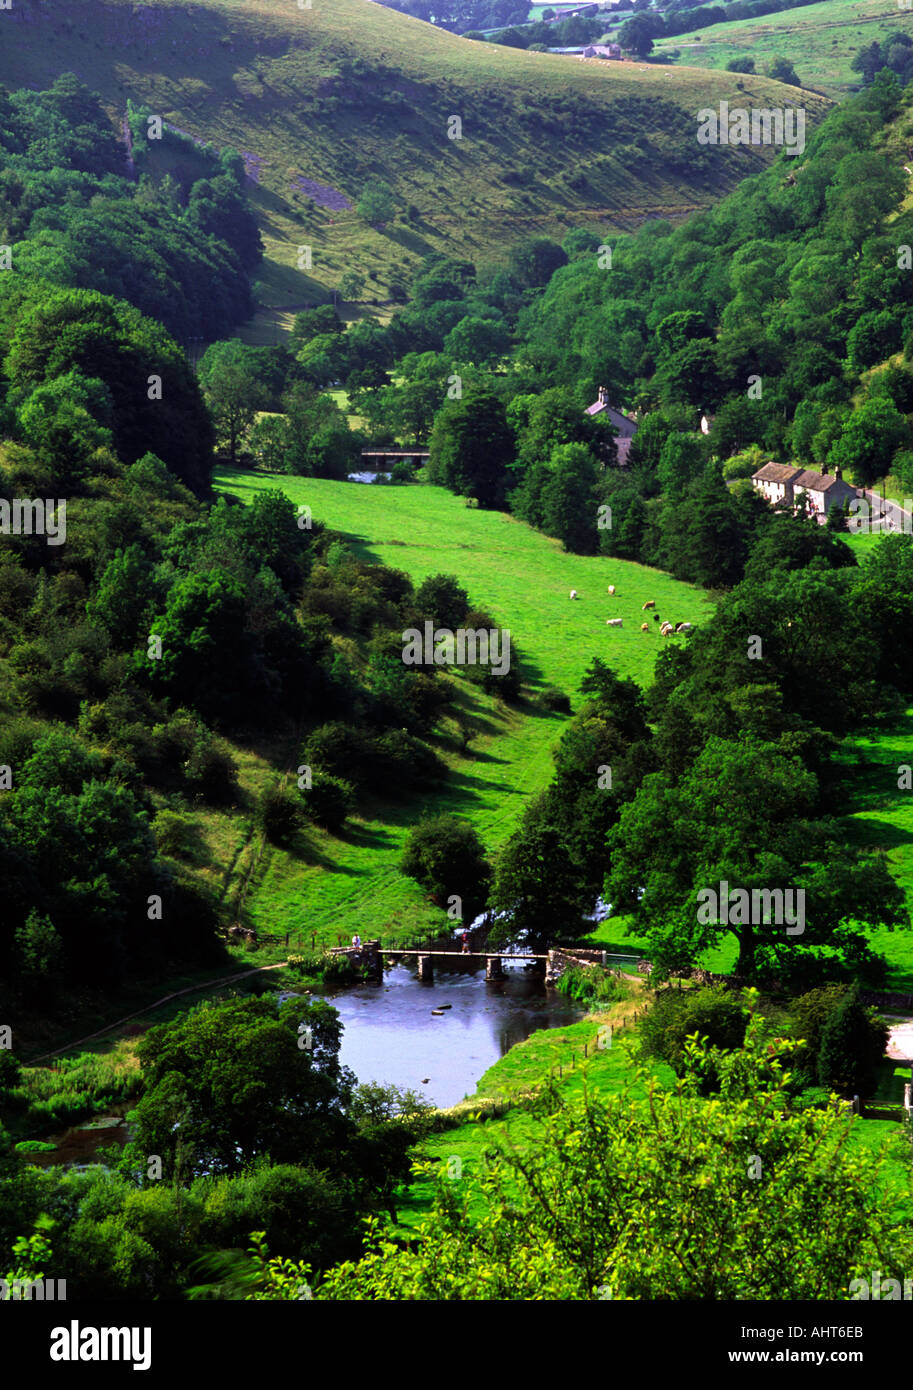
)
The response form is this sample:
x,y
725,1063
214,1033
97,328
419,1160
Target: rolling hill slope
x,y
819,40
523,579
319,100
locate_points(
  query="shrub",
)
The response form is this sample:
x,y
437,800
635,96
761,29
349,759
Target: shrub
x,y
715,1014
210,769
555,700
176,835
279,815
329,800
810,1013
853,1042
445,855
592,985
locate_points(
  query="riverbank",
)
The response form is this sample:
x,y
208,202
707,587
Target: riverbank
x,y
592,1056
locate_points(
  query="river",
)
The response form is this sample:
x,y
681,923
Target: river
x,y
390,1034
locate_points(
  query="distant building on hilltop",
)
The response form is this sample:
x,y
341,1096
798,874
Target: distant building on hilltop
x,y
625,425
780,482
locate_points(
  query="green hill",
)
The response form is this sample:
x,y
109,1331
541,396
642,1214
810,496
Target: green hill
x,y
819,40
339,93
328,883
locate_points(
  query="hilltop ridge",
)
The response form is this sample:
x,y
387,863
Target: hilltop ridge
x,y
319,100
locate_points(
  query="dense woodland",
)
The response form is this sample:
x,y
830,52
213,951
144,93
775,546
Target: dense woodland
x,y
723,769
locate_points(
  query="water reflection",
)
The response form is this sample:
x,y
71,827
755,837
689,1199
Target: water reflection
x,y
392,1035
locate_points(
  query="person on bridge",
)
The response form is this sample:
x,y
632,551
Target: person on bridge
x,y
356,942
465,943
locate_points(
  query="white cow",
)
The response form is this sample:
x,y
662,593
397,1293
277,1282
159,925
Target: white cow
x,y
611,588
614,622
573,593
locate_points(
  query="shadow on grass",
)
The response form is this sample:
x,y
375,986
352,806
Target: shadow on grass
x,y
881,834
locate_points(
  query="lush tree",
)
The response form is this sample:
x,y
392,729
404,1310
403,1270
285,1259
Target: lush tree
x,y
471,447
782,70
232,391
445,855
377,203
868,441
228,1083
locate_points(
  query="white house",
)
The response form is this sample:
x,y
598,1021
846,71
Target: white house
x,y
624,425
780,482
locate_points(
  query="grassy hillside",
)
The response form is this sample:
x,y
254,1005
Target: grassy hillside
x,y
331,884
337,93
819,40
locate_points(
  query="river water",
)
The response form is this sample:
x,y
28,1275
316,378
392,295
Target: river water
x,y
390,1033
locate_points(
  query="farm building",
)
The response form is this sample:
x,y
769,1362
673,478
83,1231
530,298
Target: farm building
x,y
780,482
624,425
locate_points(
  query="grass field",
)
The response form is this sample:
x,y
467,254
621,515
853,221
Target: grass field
x,y
343,91
819,40
331,884
882,817
603,1072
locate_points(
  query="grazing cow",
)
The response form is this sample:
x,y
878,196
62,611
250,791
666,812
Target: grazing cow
x,y
650,603
666,630
613,622
645,627
611,588
573,593
684,627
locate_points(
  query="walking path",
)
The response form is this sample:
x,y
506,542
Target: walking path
x,y
900,1040
191,989
893,514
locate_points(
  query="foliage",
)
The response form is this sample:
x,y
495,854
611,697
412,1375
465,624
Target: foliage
x,y
447,858
684,1198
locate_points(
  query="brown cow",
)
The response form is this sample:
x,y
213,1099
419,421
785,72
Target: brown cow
x,y
645,627
651,603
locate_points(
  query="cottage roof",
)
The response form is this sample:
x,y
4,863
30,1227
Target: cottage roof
x,y
777,473
817,482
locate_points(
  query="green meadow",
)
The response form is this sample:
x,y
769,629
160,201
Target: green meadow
x,y
329,885
819,40
556,1057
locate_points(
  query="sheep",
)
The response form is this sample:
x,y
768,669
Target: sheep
x,y
650,603
611,588
573,593
613,622
645,627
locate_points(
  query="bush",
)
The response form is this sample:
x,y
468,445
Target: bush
x,y
853,1042
210,769
810,1013
329,800
592,985
383,765
555,700
176,835
279,815
445,855
676,1014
